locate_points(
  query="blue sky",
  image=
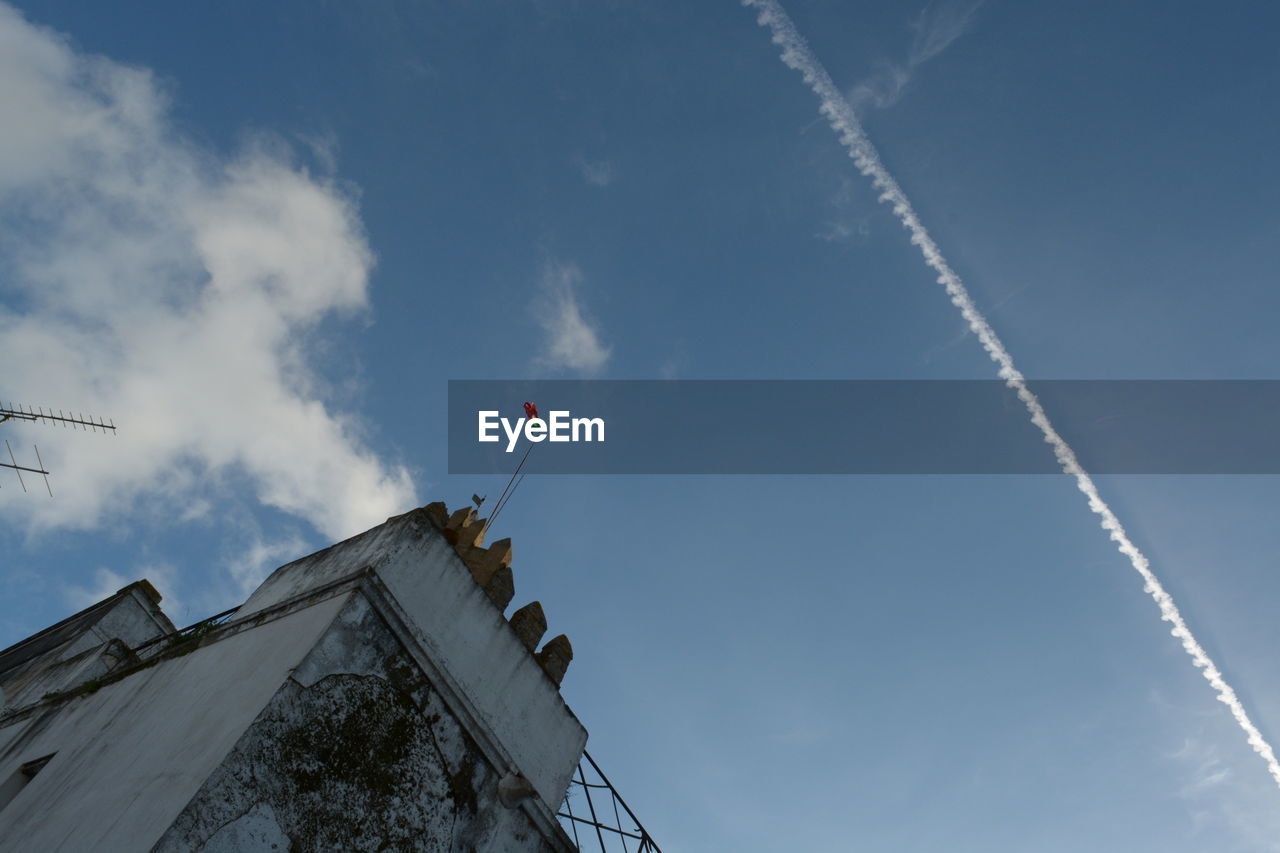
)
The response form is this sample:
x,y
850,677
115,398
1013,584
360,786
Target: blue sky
x,y
263,239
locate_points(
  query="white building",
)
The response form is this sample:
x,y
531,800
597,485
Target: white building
x,y
371,696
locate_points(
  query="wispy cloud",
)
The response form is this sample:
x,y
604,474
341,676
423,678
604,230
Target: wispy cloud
x,y
572,340
598,173
934,29
837,231
1222,797
845,225
106,583
177,291
674,364
260,557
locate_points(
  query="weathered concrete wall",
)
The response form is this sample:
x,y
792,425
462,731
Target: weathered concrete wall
x,y
371,696
357,752
84,646
130,755
465,634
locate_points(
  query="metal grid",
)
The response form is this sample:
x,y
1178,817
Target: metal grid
x,y
602,818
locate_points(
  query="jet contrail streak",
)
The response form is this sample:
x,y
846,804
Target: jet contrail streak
x,y
796,54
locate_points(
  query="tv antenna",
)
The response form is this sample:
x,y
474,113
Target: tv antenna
x,y
74,420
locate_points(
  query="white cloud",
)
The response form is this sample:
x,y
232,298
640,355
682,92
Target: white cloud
x,y
572,341
175,290
251,567
106,583
598,173
935,28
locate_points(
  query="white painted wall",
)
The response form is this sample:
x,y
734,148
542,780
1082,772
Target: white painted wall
x,y
466,636
131,755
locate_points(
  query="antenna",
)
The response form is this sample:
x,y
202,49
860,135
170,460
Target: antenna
x,y
74,420
20,468
39,415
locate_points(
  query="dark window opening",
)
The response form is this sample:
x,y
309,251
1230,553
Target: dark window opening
x,y
20,778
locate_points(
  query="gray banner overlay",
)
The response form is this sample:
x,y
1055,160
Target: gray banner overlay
x,y
874,426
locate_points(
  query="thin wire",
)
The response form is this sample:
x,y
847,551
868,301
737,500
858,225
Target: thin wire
x,y
505,497
502,496
508,500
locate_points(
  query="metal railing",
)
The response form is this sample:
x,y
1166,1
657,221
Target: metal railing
x,y
605,822
165,642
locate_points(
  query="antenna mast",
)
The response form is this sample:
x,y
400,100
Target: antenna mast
x,y
39,415
74,420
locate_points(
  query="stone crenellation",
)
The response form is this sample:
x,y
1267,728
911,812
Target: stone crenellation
x,y
491,568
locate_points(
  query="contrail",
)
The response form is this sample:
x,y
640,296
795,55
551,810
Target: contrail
x,y
796,54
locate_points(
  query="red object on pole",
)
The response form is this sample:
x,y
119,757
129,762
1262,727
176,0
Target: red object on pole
x,y
531,411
